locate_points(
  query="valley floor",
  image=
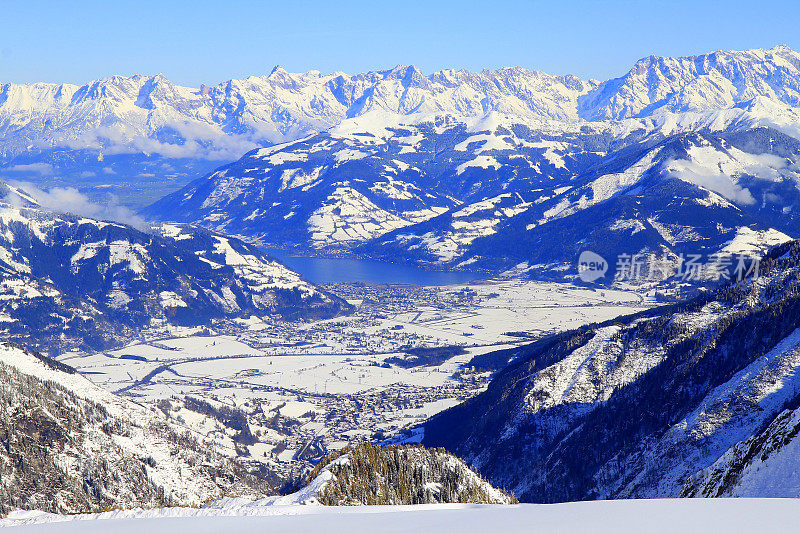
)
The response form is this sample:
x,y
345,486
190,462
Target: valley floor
x,y
307,388
684,516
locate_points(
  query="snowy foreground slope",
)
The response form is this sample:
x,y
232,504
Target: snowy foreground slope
x,y
69,446
745,515
696,399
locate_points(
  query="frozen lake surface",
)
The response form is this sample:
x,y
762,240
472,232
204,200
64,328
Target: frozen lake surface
x,y
340,270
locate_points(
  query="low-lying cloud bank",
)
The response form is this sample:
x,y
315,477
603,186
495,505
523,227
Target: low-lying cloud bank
x,y
70,200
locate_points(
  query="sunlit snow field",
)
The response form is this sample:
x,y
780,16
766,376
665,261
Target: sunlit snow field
x,y
318,356
310,373
684,516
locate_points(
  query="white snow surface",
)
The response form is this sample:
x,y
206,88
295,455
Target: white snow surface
x,y
180,472
668,515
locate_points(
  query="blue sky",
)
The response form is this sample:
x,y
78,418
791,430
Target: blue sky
x,y
208,42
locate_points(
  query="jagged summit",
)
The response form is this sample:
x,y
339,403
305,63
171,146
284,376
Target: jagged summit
x,y
716,80
145,126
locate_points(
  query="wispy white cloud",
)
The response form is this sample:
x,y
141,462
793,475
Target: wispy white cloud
x,y
70,200
199,142
710,178
43,169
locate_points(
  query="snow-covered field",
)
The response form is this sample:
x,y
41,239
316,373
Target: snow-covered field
x,y
327,383
308,355
518,305
343,355
684,516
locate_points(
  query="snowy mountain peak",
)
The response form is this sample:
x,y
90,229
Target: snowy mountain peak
x,y
716,80
181,130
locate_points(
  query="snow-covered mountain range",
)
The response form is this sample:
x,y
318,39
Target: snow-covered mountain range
x,y
679,156
703,83
128,130
76,281
490,195
149,114
695,399
123,131
688,193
